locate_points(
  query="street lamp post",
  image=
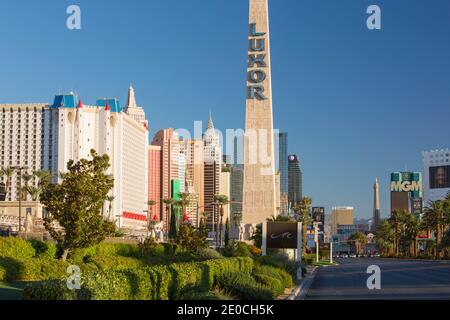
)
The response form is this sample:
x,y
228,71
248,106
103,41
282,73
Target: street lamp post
x,y
20,168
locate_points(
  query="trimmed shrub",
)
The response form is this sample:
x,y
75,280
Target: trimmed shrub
x,y
188,275
244,286
208,254
48,290
114,262
145,283
274,284
118,249
17,248
44,249
237,249
116,285
276,273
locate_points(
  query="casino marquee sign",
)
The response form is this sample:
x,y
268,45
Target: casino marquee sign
x,y
256,64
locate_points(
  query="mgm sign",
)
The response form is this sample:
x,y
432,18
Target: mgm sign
x,y
256,64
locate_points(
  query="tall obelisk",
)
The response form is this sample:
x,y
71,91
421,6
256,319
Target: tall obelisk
x,y
376,205
259,199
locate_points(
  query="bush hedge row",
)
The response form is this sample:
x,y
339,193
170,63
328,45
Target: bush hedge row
x,y
148,283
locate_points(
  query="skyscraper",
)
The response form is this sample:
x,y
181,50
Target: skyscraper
x,y
283,169
376,205
212,169
294,180
259,169
168,140
341,216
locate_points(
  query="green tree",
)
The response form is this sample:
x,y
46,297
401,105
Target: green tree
x,y
191,239
434,219
385,237
412,229
303,211
397,220
74,206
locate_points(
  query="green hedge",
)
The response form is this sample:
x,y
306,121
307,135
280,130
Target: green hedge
x,y
16,248
148,283
244,286
276,273
44,249
274,284
32,269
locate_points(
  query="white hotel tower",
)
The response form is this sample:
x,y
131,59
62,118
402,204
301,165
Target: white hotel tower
x,y
51,135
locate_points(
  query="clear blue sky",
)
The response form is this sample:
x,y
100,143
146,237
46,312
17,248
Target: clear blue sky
x,y
357,104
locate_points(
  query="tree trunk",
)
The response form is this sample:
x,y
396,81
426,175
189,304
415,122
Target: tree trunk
x,y
304,229
65,253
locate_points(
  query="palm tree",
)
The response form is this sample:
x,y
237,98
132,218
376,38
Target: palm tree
x,y
34,192
433,218
220,200
26,178
8,173
43,176
385,237
110,200
412,229
183,202
169,202
303,211
357,240
396,219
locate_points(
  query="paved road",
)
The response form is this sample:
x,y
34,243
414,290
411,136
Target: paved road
x,y
400,280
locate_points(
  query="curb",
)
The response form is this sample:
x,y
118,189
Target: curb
x,y
300,291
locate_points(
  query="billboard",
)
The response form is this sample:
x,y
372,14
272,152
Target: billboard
x,y
282,235
440,177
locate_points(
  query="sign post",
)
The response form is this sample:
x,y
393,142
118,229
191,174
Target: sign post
x,y
299,250
331,252
283,235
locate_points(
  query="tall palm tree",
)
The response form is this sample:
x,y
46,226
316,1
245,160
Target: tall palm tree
x,y
385,237
397,220
303,211
434,219
43,176
220,200
8,173
357,240
110,200
183,202
412,229
34,192
169,202
26,178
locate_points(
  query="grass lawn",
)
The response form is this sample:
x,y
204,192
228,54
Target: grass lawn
x,y
324,263
11,291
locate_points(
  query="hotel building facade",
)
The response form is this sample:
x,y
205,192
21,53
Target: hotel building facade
x,y
47,136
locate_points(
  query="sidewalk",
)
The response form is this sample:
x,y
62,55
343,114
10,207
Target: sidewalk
x,y
300,290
